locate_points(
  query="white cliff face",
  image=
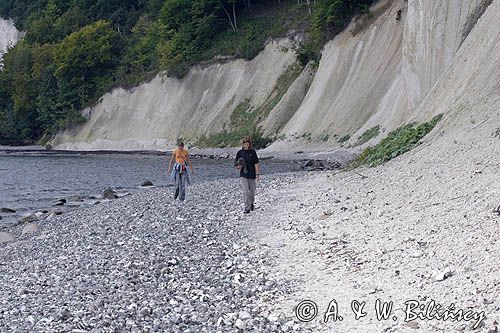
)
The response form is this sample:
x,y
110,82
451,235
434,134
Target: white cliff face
x,y
434,31
354,76
468,91
392,72
380,76
289,103
9,36
156,113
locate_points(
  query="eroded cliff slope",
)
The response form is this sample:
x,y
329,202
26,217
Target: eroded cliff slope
x,y
381,75
155,114
397,65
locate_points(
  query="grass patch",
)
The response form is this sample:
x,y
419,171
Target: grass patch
x,y
242,122
368,135
344,138
306,136
396,143
284,82
323,137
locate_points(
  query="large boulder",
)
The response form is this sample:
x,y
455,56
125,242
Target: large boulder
x,y
31,228
60,202
28,218
147,183
314,165
109,194
311,165
5,237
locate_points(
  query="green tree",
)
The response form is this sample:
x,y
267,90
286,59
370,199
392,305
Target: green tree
x,y
23,91
328,18
83,59
141,57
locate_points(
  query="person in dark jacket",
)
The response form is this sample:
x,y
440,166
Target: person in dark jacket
x,y
247,162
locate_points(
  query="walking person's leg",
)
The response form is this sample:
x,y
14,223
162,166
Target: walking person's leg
x,y
182,190
177,184
251,189
246,193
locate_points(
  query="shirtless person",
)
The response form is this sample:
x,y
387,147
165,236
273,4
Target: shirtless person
x,y
179,174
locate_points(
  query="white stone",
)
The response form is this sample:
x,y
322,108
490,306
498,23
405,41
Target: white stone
x,y
240,324
30,229
5,237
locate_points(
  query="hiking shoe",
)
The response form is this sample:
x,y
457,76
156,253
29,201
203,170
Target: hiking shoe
x,y
176,194
246,211
252,207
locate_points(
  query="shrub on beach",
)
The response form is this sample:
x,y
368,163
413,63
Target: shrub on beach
x,y
396,143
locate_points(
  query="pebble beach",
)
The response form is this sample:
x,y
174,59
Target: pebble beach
x,y
142,263
146,263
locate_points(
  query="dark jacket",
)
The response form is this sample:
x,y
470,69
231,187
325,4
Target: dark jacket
x,y
251,158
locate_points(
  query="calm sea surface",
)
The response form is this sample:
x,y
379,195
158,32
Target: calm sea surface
x,y
31,182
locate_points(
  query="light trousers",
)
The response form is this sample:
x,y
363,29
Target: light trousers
x,y
248,188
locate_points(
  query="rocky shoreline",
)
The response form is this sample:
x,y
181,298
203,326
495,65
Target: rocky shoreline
x,y
60,205
143,263
416,230
146,263
10,216
337,156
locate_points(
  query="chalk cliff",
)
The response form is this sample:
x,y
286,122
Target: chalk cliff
x,y
154,114
9,36
409,61
381,75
